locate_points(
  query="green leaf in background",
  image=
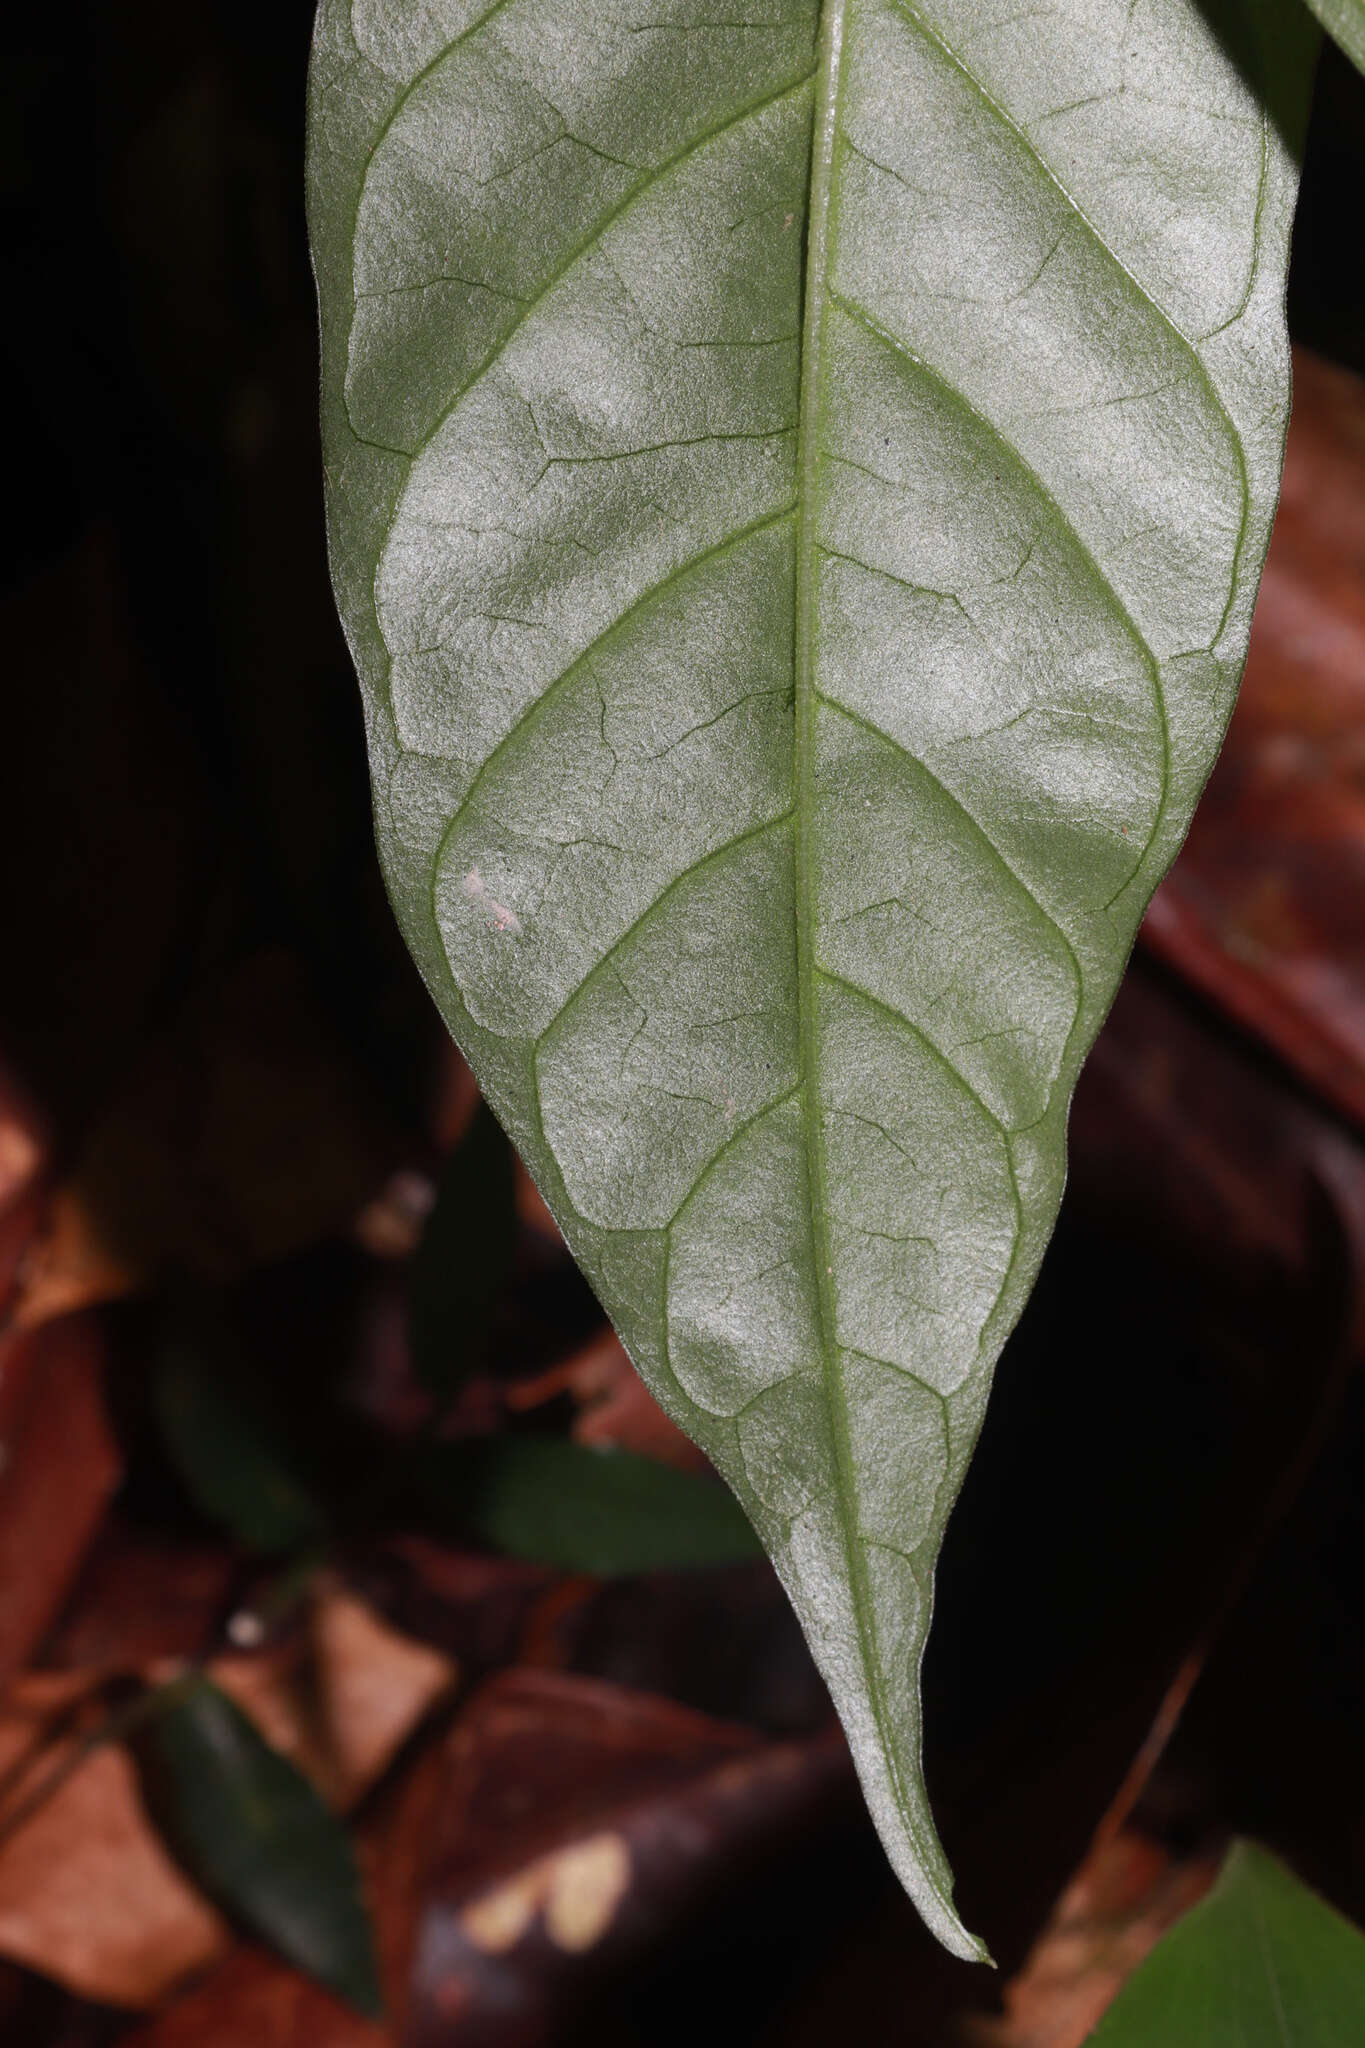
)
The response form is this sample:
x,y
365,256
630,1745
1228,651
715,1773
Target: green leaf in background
x,y
798,477
228,1448
464,1259
1344,21
603,1511
250,1829
1262,1962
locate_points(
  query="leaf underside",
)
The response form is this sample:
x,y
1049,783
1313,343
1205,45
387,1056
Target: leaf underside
x,y
798,480
1344,21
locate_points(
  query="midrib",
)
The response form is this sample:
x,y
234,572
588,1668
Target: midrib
x,y
824,125
815,313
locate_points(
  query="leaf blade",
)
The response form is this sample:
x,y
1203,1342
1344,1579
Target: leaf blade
x,y
771,851
1261,1962
585,1509
249,1827
1344,21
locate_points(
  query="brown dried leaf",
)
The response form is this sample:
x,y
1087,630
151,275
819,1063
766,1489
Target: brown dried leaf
x,y
614,1405
579,1824
251,1998
23,1140
1117,1907
51,1258
56,1446
141,1600
341,1699
1265,908
88,1895
67,1263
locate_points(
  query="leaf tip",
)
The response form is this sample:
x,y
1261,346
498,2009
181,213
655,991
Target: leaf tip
x,y
933,1901
959,1942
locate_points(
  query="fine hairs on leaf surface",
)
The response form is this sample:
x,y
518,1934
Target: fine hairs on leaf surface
x,y
797,480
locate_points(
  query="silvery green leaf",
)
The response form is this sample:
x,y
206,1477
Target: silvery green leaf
x,y
798,478
1344,21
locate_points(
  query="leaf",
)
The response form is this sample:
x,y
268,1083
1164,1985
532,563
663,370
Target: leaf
x,y
1344,21
1260,1960
797,482
584,1509
228,1449
464,1259
250,1829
